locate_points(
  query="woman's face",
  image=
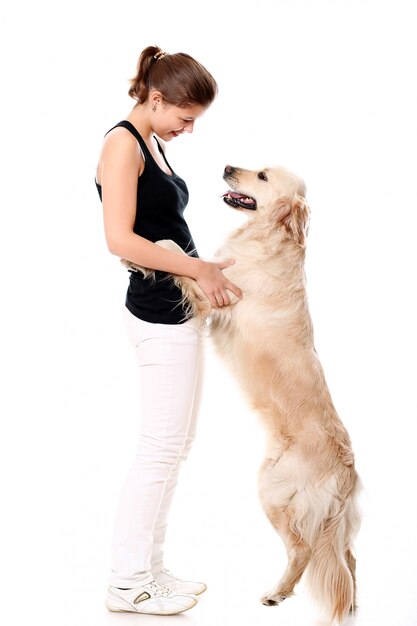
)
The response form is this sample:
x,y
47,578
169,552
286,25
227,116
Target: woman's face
x,y
169,121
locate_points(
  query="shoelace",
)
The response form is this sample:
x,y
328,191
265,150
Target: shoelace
x,y
160,590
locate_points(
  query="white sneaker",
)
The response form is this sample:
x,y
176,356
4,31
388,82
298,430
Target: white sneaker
x,y
150,598
178,585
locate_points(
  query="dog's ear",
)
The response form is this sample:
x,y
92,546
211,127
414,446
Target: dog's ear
x,y
292,213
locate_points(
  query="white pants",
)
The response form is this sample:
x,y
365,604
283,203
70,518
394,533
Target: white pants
x,y
171,368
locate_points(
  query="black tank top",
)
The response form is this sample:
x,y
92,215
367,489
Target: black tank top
x,y
161,200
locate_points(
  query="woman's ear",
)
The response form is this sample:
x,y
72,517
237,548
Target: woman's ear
x,y
293,214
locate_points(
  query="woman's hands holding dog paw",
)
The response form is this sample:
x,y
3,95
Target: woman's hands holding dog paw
x,y
214,283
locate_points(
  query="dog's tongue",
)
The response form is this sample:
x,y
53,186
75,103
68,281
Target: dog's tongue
x,y
234,194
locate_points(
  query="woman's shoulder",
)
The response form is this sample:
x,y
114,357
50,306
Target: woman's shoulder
x,y
120,146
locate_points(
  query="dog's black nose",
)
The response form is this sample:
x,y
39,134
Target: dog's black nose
x,y
229,169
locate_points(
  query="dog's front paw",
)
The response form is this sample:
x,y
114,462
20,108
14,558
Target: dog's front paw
x,y
168,244
137,268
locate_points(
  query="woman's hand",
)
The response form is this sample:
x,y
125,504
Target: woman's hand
x,y
214,283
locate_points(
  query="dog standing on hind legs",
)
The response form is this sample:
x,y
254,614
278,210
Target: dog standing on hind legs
x,y
308,484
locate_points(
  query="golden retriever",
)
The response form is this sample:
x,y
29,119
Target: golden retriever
x,y
308,484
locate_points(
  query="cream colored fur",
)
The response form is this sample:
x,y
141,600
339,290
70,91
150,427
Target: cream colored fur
x,y
307,482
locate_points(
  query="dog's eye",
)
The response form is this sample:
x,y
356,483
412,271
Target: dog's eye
x,y
262,176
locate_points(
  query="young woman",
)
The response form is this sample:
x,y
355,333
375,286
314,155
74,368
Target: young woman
x,y
143,200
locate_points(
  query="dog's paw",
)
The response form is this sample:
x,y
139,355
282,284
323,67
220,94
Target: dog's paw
x,y
272,598
167,244
170,245
137,268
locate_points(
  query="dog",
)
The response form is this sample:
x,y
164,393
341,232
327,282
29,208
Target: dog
x,y
308,485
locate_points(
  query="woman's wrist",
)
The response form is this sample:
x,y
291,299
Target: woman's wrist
x,y
196,267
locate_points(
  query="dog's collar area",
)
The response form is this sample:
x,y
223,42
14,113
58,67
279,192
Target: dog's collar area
x,y
235,199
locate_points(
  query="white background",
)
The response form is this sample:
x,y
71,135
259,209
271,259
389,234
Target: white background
x,y
325,88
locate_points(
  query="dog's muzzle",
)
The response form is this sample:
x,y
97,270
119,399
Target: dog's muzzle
x,y
234,198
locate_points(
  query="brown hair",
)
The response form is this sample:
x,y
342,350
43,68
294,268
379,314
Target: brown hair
x,y
182,80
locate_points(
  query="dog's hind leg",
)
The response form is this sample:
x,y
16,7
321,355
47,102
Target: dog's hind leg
x,y
298,552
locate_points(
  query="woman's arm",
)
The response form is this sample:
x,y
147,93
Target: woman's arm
x,y
121,161
147,254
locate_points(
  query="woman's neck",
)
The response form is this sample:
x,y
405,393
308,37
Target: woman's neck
x,y
140,118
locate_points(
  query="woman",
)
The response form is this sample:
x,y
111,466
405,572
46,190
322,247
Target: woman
x,y
143,201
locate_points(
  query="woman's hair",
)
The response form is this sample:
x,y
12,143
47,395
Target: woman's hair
x,y
182,80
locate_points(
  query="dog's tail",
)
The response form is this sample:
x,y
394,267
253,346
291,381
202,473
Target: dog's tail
x,y
331,571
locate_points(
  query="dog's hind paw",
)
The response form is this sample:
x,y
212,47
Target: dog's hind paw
x,y
272,598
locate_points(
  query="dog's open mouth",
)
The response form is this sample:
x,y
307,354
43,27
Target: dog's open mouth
x,y
235,199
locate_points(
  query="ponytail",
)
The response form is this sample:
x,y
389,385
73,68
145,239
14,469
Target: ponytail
x,y
182,80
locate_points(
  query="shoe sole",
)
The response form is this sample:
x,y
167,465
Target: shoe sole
x,y
121,610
